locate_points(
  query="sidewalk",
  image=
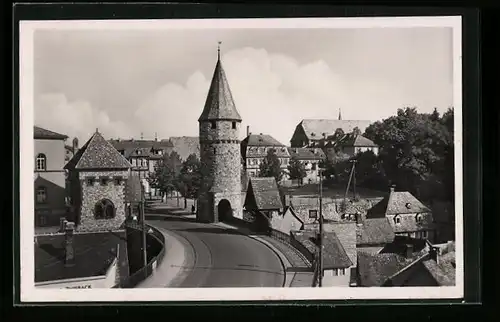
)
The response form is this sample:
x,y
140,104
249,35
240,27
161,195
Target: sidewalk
x,y
288,257
171,266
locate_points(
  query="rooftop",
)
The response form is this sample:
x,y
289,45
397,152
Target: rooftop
x,y
97,153
307,153
219,104
395,203
44,134
374,232
265,192
315,129
94,253
376,269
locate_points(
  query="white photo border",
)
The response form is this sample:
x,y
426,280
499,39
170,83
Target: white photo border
x,y
26,151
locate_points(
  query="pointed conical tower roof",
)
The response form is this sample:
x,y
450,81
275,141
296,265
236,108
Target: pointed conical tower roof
x,y
97,153
219,104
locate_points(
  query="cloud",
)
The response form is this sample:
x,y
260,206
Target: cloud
x,y
272,92
75,118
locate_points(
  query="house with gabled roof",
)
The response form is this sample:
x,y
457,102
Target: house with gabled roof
x,y
263,199
431,266
254,149
352,144
407,215
310,132
310,158
336,262
49,177
97,175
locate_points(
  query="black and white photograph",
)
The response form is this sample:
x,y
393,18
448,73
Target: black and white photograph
x,y
238,159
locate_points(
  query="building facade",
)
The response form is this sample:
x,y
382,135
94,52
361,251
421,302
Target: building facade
x,y
254,149
406,214
311,132
219,126
311,158
97,177
50,177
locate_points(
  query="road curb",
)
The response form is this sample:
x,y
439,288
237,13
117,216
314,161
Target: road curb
x,y
280,256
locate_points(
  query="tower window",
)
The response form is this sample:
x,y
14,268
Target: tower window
x,y
214,151
104,209
213,124
234,125
104,181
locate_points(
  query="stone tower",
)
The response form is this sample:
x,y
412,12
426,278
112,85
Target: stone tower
x,y
219,124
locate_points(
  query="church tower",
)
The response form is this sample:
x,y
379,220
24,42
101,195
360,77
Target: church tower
x,y
219,125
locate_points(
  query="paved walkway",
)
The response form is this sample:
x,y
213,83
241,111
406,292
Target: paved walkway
x,y
289,257
170,268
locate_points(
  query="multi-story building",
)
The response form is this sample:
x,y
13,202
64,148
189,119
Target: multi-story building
x,y
311,158
50,177
349,144
254,149
311,133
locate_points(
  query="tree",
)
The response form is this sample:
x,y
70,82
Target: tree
x,y
339,133
416,151
296,169
189,180
166,173
271,166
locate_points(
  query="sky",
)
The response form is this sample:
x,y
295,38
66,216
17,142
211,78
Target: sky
x,y
128,82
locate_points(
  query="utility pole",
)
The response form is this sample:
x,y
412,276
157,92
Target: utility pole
x,y
143,222
320,242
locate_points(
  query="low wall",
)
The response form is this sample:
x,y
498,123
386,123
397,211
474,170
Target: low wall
x,y
153,262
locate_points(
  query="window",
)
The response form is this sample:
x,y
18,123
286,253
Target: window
x,y
234,125
90,182
41,162
419,218
397,220
313,214
104,209
41,195
215,151
43,220
213,124
104,181
408,205
425,234
313,167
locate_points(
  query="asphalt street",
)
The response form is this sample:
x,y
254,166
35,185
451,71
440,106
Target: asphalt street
x,y
220,257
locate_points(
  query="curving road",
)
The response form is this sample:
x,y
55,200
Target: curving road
x,y
219,257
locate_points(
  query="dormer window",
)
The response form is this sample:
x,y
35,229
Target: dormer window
x,y
213,125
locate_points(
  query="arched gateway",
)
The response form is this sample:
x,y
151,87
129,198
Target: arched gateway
x,y
224,210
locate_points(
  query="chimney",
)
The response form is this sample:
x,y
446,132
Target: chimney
x,y
156,136
409,250
248,130
75,145
69,259
434,252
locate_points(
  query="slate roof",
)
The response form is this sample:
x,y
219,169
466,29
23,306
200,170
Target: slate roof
x,y
41,133
376,269
334,255
186,145
97,153
130,146
266,193
314,128
356,141
346,233
397,202
219,104
374,231
444,271
252,144
94,252
307,153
